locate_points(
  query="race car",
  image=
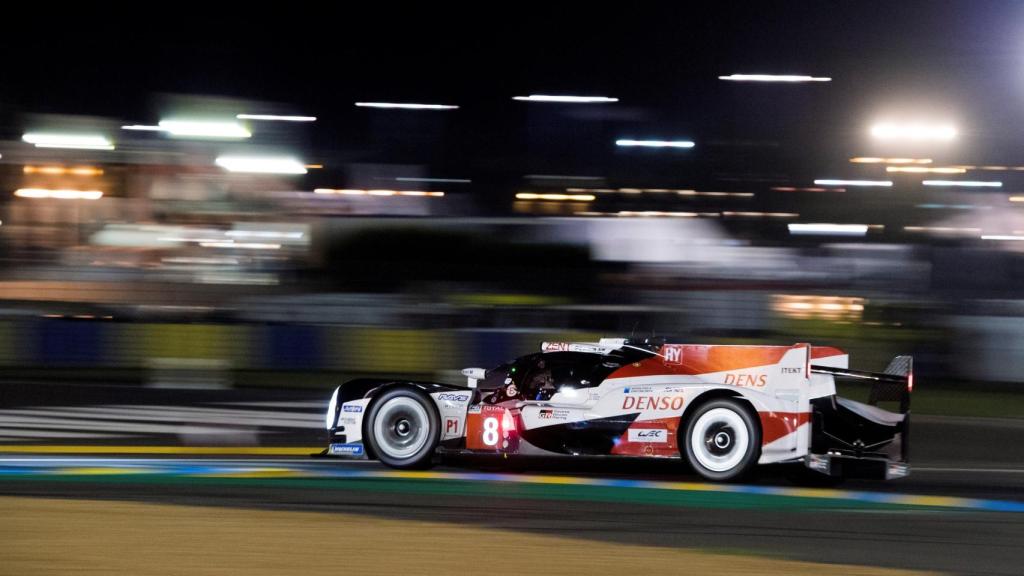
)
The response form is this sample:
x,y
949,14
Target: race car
x,y
722,409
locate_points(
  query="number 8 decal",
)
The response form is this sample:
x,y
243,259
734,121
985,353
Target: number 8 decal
x,y
491,431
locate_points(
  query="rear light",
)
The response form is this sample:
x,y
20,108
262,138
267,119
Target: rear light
x,y
910,382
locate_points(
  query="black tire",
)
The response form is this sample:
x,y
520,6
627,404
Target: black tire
x,y
403,428
729,443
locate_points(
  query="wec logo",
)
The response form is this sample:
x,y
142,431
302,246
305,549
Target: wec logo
x,y
651,435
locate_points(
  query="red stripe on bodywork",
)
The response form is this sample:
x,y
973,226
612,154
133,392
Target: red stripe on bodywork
x,y
825,352
693,359
775,425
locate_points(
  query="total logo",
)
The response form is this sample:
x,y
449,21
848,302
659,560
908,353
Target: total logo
x,y
652,403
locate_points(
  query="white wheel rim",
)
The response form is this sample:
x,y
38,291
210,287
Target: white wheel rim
x,y
720,439
401,427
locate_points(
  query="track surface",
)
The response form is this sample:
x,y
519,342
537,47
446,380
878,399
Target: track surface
x,y
952,458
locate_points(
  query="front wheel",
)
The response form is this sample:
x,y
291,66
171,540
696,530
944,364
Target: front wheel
x,y
723,441
403,429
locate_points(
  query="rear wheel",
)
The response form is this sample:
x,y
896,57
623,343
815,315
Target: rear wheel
x,y
723,441
403,428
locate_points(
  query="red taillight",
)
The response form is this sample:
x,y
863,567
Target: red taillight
x,y
910,382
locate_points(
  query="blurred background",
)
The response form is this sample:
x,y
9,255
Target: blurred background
x,y
221,203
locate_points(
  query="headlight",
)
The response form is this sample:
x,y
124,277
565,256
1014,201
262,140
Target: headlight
x,y
332,407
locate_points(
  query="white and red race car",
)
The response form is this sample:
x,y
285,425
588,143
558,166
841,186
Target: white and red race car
x,y
723,409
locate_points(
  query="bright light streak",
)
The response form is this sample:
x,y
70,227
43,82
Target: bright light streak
x,y
406,106
656,214
261,165
565,99
204,129
276,118
828,182
926,170
965,183
942,229
1005,237
760,215
1016,198
805,189
241,245
355,192
873,160
555,197
442,180
263,234
62,171
655,143
774,78
58,194
142,127
828,229
73,141
914,132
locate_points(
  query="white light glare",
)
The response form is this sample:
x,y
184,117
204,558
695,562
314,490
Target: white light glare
x,y
774,78
404,106
965,183
565,99
1004,237
917,132
204,129
656,143
829,229
827,182
276,118
74,141
58,194
261,165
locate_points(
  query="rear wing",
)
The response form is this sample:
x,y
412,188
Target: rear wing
x,y
893,385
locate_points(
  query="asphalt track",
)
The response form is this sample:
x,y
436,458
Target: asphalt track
x,y
961,511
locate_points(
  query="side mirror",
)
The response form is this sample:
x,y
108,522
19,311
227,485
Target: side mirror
x,y
474,374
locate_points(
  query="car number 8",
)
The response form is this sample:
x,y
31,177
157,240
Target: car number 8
x,y
491,431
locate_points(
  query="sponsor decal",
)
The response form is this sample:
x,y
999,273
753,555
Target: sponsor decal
x,y
555,347
755,380
347,449
658,435
453,397
451,426
348,408
792,370
638,390
511,390
673,355
652,403
348,420
553,414
474,409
